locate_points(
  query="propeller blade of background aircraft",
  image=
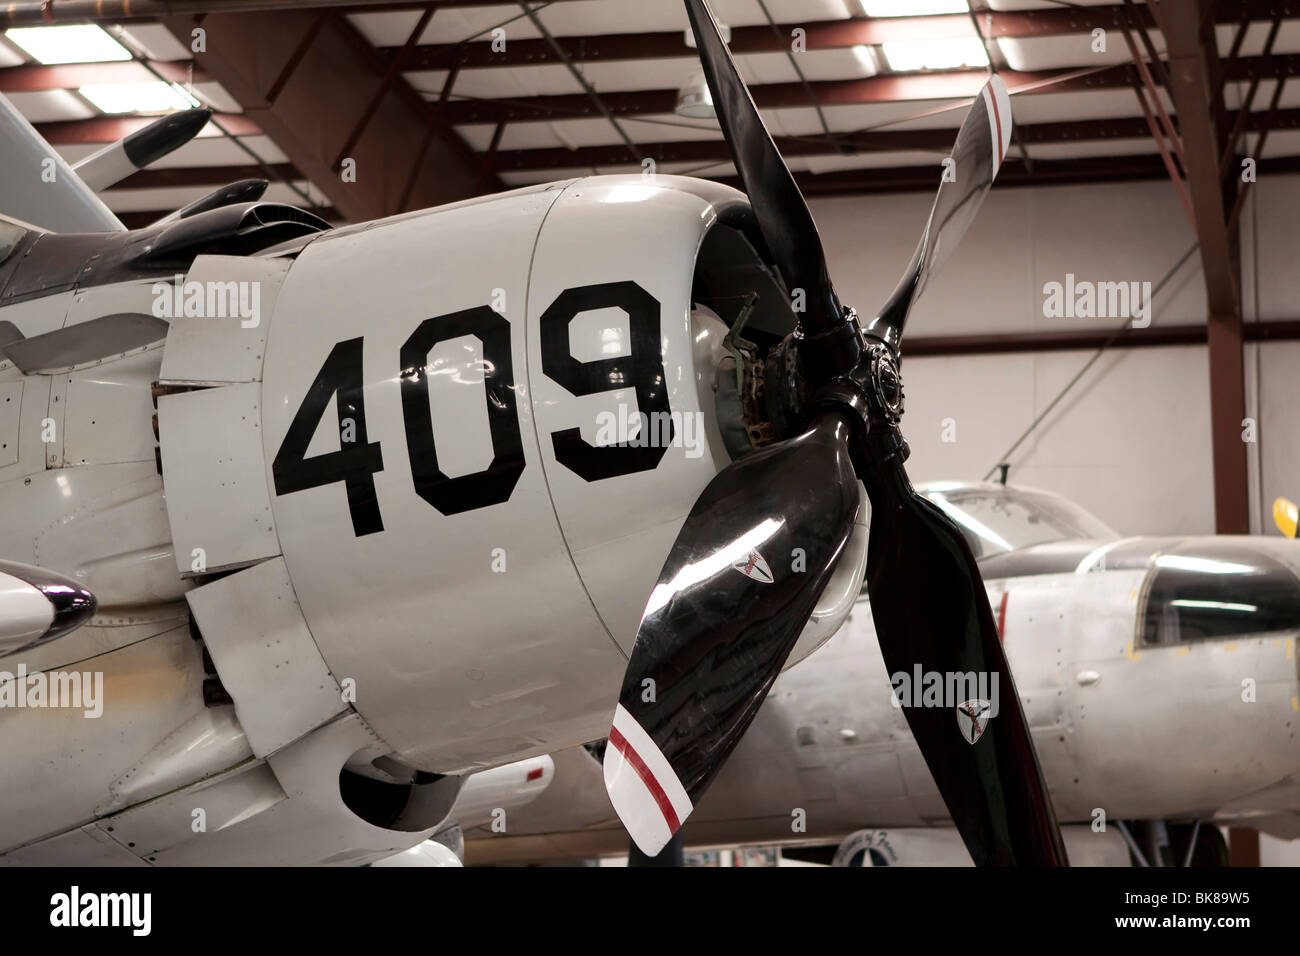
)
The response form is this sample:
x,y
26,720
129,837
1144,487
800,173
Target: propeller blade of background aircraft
x,y
732,600
782,213
982,144
115,162
932,617
1286,516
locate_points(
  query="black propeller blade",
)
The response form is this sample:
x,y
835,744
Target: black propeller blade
x,y
930,608
782,214
982,144
729,606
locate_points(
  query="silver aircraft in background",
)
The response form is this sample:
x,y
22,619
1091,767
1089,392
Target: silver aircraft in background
x,y
1158,675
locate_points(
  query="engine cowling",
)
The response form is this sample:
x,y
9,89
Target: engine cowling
x,y
450,457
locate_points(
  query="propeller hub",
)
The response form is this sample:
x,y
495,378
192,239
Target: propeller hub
x,y
872,389
872,392
886,383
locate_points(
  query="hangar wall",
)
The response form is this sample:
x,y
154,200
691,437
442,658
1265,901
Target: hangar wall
x,y
1148,471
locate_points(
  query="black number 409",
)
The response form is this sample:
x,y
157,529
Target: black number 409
x,y
341,378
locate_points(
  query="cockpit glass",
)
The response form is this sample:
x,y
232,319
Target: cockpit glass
x,y
10,235
997,521
1205,591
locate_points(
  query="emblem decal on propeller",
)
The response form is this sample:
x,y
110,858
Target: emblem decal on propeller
x,y
755,567
973,718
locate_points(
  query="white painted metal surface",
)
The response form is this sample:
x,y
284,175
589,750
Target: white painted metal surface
x,y
425,854
41,187
620,530
107,410
226,345
1128,740
143,693
11,403
25,613
474,637
392,609
207,744
85,846
117,544
491,795
286,810
105,167
254,629
217,497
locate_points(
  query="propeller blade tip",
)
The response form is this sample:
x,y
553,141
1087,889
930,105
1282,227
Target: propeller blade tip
x,y
646,794
1001,122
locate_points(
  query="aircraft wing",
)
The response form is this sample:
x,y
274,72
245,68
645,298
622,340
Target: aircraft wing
x,y
39,188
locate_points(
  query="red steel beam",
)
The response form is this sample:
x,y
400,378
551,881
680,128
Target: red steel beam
x,y
173,176
1230,141
1243,189
866,180
44,12
820,35
432,128
949,84
887,88
110,129
1164,133
1102,169
321,102
1243,846
1077,339
894,180
33,77
1191,88
1013,172
390,77
291,64
37,12
935,140
1158,105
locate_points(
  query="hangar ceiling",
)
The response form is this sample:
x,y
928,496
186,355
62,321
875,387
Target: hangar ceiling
x,y
440,101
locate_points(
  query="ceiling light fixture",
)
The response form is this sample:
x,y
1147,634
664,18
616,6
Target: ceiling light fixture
x,y
695,99
79,43
866,59
912,8
155,97
935,54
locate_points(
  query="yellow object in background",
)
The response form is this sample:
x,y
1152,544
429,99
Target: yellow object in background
x,y
1286,516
